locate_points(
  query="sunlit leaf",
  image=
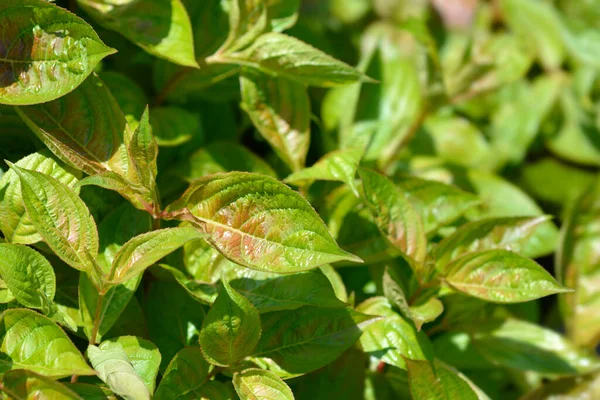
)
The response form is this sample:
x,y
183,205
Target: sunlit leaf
x,y
46,52
27,274
280,110
258,222
340,165
28,385
501,276
162,28
33,342
247,20
14,221
281,55
256,383
433,381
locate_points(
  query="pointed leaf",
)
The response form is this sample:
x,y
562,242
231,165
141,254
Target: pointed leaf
x,y
339,165
254,384
162,28
143,355
61,218
84,128
258,222
33,342
23,384
14,221
247,20
281,55
394,215
144,152
280,110
115,369
144,250
433,381
271,292
140,197
510,233
231,329
438,204
529,347
27,274
282,13
185,376
302,340
501,276
46,52
577,267
392,339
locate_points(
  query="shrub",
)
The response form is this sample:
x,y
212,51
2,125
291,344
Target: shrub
x,y
152,248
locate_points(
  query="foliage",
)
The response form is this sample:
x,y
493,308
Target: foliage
x,y
439,156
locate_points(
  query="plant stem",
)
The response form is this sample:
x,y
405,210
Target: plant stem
x,y
214,372
97,319
74,378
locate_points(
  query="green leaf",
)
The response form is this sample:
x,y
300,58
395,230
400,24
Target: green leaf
x,y
143,355
436,203
258,222
281,55
61,218
507,233
144,152
231,329
222,157
302,340
503,199
395,216
173,126
27,274
577,267
185,376
254,383
14,221
23,384
127,92
247,20
112,306
33,342
47,52
392,339
501,276
174,319
339,165
58,124
539,25
528,347
434,381
282,13
162,28
115,369
280,110
89,391
146,249
271,292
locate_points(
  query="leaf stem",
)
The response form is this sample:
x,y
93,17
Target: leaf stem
x,y
214,372
97,318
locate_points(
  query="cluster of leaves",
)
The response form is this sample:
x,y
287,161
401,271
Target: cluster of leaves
x,y
151,248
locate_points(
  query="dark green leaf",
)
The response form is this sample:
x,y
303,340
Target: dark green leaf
x,y
231,329
434,381
173,126
185,376
302,340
